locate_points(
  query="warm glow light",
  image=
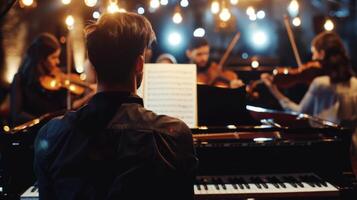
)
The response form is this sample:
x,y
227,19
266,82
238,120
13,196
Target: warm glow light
x,y
296,21
329,25
96,15
164,2
69,21
91,3
6,128
184,3
293,8
261,14
177,18
225,15
27,2
113,7
215,7
255,64
250,11
199,32
253,17
175,39
154,4
234,2
141,10
259,39
66,2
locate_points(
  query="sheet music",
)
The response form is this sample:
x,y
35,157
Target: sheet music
x,y
170,89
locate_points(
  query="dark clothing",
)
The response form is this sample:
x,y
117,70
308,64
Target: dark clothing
x,y
113,148
29,101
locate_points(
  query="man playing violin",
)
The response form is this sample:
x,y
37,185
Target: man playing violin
x,y
209,73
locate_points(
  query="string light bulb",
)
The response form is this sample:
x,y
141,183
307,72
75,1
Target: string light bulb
x,y
27,2
250,11
66,2
154,4
296,21
113,7
293,8
215,7
234,2
225,15
91,3
255,64
329,25
177,18
164,2
69,22
184,3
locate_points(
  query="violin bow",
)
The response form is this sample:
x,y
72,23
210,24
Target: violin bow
x,y
226,55
292,40
229,49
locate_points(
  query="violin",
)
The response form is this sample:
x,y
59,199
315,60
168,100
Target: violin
x,y
58,80
287,77
218,77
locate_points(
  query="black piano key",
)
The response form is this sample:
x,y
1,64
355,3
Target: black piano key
x,y
34,189
198,187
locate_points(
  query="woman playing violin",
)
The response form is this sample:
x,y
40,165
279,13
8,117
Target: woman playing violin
x,y
332,96
29,99
209,73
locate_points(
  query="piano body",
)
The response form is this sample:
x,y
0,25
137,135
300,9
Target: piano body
x,y
264,158
274,163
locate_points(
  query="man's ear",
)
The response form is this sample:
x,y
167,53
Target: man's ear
x,y
139,67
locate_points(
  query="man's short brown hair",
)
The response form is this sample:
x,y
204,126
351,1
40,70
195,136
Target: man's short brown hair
x,y
114,43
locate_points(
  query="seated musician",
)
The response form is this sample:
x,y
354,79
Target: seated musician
x,y
29,99
113,148
332,96
209,73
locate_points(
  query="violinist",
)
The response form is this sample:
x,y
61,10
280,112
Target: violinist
x,y
331,96
209,73
29,99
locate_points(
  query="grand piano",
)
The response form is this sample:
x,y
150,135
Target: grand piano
x,y
247,152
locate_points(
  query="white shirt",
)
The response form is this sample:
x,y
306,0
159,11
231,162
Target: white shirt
x,y
326,100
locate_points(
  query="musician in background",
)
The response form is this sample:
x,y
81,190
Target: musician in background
x,y
166,58
333,96
29,99
209,73
113,148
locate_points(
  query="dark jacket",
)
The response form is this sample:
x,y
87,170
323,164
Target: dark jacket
x,y
113,148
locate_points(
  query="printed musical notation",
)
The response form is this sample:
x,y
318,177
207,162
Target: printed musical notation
x,y
170,89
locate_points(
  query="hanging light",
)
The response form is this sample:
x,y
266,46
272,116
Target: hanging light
x,y
296,21
96,15
293,8
250,11
199,32
184,3
254,64
141,10
234,2
66,2
91,3
261,14
329,25
27,2
69,22
164,2
177,18
113,7
154,4
225,15
215,7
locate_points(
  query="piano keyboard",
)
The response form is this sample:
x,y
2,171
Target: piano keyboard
x,y
289,185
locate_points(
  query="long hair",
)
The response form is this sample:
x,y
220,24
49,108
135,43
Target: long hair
x,y
336,62
33,66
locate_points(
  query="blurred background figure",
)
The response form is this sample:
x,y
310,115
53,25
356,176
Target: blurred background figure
x,y
166,58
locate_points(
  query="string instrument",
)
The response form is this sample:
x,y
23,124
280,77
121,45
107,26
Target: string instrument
x,y
286,77
58,80
216,76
